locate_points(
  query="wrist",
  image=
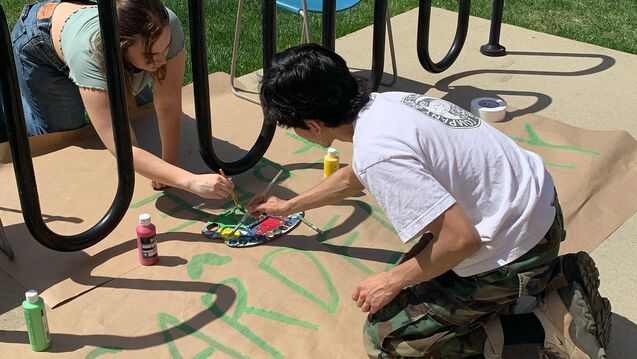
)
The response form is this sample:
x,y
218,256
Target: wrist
x,y
186,182
395,280
291,206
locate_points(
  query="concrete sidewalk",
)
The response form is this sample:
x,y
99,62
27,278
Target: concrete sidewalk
x,y
579,84
576,83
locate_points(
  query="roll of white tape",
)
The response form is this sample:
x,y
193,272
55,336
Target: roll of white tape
x,y
489,108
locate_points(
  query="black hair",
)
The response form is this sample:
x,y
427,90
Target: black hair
x,y
311,82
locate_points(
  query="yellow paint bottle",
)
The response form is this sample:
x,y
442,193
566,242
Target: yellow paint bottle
x,y
330,162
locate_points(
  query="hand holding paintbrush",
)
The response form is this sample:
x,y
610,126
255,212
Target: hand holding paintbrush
x,y
233,194
265,191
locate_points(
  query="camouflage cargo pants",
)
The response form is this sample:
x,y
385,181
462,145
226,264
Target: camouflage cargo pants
x,y
444,317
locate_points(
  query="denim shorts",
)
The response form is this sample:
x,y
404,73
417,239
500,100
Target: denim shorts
x,y
50,99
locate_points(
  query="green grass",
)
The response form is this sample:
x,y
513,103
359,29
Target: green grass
x,y
606,23
611,24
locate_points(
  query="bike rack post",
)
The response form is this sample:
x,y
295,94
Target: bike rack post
x,y
329,24
493,48
21,153
202,92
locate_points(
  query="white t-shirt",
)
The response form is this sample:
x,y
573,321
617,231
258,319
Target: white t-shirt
x,y
419,155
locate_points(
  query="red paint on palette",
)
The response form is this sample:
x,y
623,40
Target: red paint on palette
x,y
267,225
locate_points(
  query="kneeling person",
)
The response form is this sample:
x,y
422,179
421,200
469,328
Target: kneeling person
x,y
483,211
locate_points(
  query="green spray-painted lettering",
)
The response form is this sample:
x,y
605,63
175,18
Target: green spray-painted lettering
x,y
165,320
343,249
102,351
331,305
307,145
195,265
553,164
264,163
535,140
146,200
376,213
242,307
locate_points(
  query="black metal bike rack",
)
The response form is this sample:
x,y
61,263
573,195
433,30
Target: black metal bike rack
x,y
202,92
21,153
422,41
493,48
378,37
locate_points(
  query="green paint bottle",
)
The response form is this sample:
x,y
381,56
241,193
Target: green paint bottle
x,y
37,326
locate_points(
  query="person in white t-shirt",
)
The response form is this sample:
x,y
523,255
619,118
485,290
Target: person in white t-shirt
x,y
483,212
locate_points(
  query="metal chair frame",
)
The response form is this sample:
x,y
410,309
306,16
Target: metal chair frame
x,y
305,35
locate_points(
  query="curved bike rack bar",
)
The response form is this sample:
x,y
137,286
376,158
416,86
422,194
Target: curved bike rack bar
x,y
21,153
202,92
424,19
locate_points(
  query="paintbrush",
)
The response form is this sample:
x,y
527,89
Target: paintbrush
x,y
233,194
265,191
309,224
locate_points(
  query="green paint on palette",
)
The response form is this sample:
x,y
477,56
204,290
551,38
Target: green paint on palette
x,y
197,262
165,320
331,305
102,351
307,145
240,308
535,140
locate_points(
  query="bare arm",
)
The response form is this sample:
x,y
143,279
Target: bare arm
x,y
167,100
340,185
455,239
148,165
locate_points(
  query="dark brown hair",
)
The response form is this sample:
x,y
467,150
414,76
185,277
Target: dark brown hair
x,y
137,20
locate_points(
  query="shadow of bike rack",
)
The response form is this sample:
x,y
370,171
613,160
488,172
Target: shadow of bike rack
x,y
492,48
21,153
202,92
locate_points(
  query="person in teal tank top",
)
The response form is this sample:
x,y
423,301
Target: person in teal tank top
x,y
57,48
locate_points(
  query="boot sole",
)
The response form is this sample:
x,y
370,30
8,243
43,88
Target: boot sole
x,y
580,268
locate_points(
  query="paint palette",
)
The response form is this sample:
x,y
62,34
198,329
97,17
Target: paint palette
x,y
262,229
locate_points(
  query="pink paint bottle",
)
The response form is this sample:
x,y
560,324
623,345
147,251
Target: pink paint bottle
x,y
146,241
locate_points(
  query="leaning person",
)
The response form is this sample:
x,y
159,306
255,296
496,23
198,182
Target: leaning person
x,y
59,57
483,212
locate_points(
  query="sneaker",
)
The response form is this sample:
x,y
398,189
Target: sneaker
x,y
576,318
